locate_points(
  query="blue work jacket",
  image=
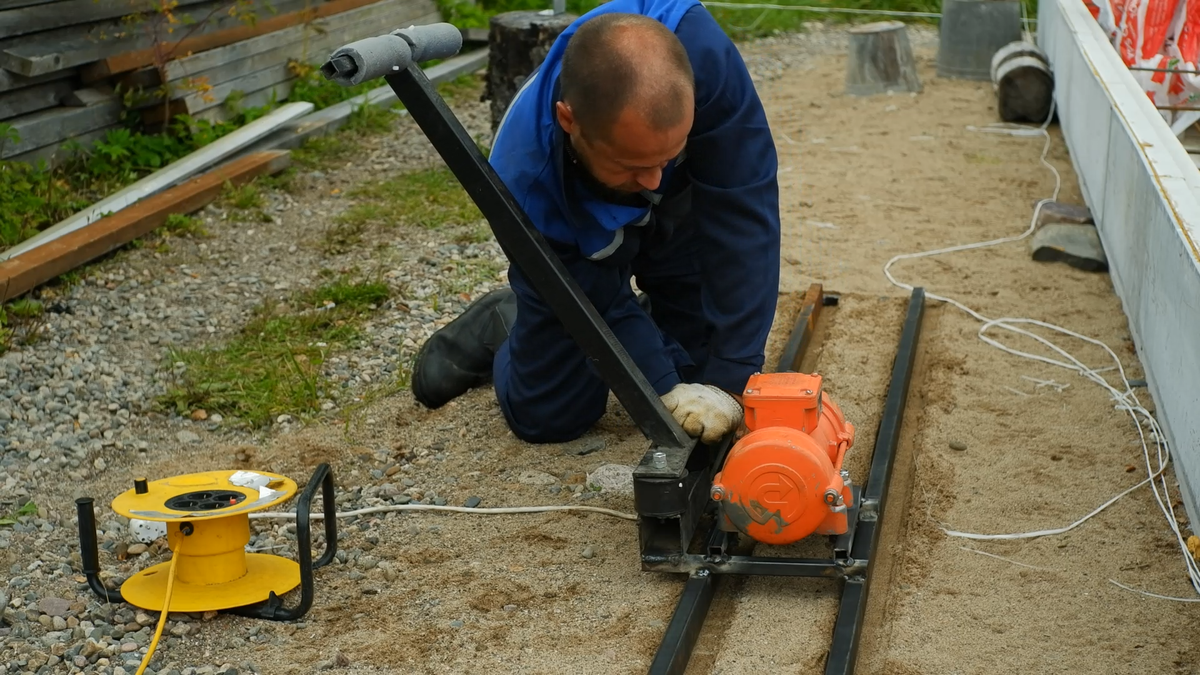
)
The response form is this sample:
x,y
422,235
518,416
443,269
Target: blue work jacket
x,y
724,187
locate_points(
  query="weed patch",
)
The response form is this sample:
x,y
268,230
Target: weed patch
x,y
20,321
273,365
429,198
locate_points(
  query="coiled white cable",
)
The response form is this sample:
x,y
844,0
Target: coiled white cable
x,y
1124,400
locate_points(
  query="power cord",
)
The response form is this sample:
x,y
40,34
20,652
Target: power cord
x,y
186,529
455,509
1125,400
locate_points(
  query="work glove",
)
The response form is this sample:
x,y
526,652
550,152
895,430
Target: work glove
x,y
703,410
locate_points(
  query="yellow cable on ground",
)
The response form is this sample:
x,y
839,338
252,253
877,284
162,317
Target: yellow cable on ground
x,y
162,619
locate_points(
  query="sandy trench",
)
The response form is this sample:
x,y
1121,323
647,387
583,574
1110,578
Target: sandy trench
x,y
864,180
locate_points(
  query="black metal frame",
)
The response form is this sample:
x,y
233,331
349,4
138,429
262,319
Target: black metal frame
x,y
272,608
852,551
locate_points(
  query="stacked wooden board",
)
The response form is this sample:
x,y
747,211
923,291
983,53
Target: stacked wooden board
x,y
68,67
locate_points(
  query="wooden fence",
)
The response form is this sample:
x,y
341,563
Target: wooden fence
x,y
70,67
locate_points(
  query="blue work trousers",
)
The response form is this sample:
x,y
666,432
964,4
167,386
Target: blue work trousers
x,y
548,390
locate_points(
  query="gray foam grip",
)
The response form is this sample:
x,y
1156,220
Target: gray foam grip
x,y
432,41
375,57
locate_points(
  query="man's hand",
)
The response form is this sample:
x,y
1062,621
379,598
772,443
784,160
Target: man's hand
x,y
704,411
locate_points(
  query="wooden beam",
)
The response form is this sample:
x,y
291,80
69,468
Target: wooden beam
x,y
48,51
182,169
222,113
22,273
88,96
119,63
202,63
10,81
50,127
13,4
255,87
245,74
33,99
35,19
54,154
381,11
329,120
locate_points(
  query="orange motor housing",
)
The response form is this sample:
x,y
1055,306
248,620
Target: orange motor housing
x,y
782,481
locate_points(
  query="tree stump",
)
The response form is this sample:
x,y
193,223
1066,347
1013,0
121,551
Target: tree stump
x,y
517,44
881,60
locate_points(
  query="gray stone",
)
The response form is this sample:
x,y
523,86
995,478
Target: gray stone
x,y
585,446
186,436
472,502
1077,245
54,606
537,478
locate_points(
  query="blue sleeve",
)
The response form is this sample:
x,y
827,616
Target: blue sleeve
x,y
735,203
609,290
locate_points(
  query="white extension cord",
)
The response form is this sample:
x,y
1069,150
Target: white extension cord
x,y
1126,400
454,509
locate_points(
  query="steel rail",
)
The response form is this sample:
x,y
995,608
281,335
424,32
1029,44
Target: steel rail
x,y
705,572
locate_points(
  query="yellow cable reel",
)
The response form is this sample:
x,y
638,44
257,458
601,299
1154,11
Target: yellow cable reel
x,y
214,572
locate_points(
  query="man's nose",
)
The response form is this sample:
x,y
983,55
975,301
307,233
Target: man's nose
x,y
650,178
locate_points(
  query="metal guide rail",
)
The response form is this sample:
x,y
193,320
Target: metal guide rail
x,y
673,479
671,520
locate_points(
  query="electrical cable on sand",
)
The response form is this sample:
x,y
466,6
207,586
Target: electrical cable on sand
x,y
1126,401
454,509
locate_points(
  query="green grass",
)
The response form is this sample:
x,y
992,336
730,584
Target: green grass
x,y
737,23
29,509
273,365
430,198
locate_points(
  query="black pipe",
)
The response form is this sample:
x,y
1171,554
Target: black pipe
x,y
89,553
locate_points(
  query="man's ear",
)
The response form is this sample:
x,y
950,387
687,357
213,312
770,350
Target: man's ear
x,y
566,118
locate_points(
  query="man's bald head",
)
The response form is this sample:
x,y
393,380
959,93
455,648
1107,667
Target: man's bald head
x,y
618,61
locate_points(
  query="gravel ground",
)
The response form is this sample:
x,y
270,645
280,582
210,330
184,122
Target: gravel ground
x,y
77,414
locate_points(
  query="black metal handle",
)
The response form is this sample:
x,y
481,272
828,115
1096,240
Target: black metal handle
x,y
273,608
88,552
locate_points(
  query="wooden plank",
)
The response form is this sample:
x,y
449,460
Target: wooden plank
x,y
222,113
314,49
34,19
22,273
13,4
33,99
255,82
131,60
197,63
49,127
48,51
328,120
198,160
10,81
55,154
88,96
